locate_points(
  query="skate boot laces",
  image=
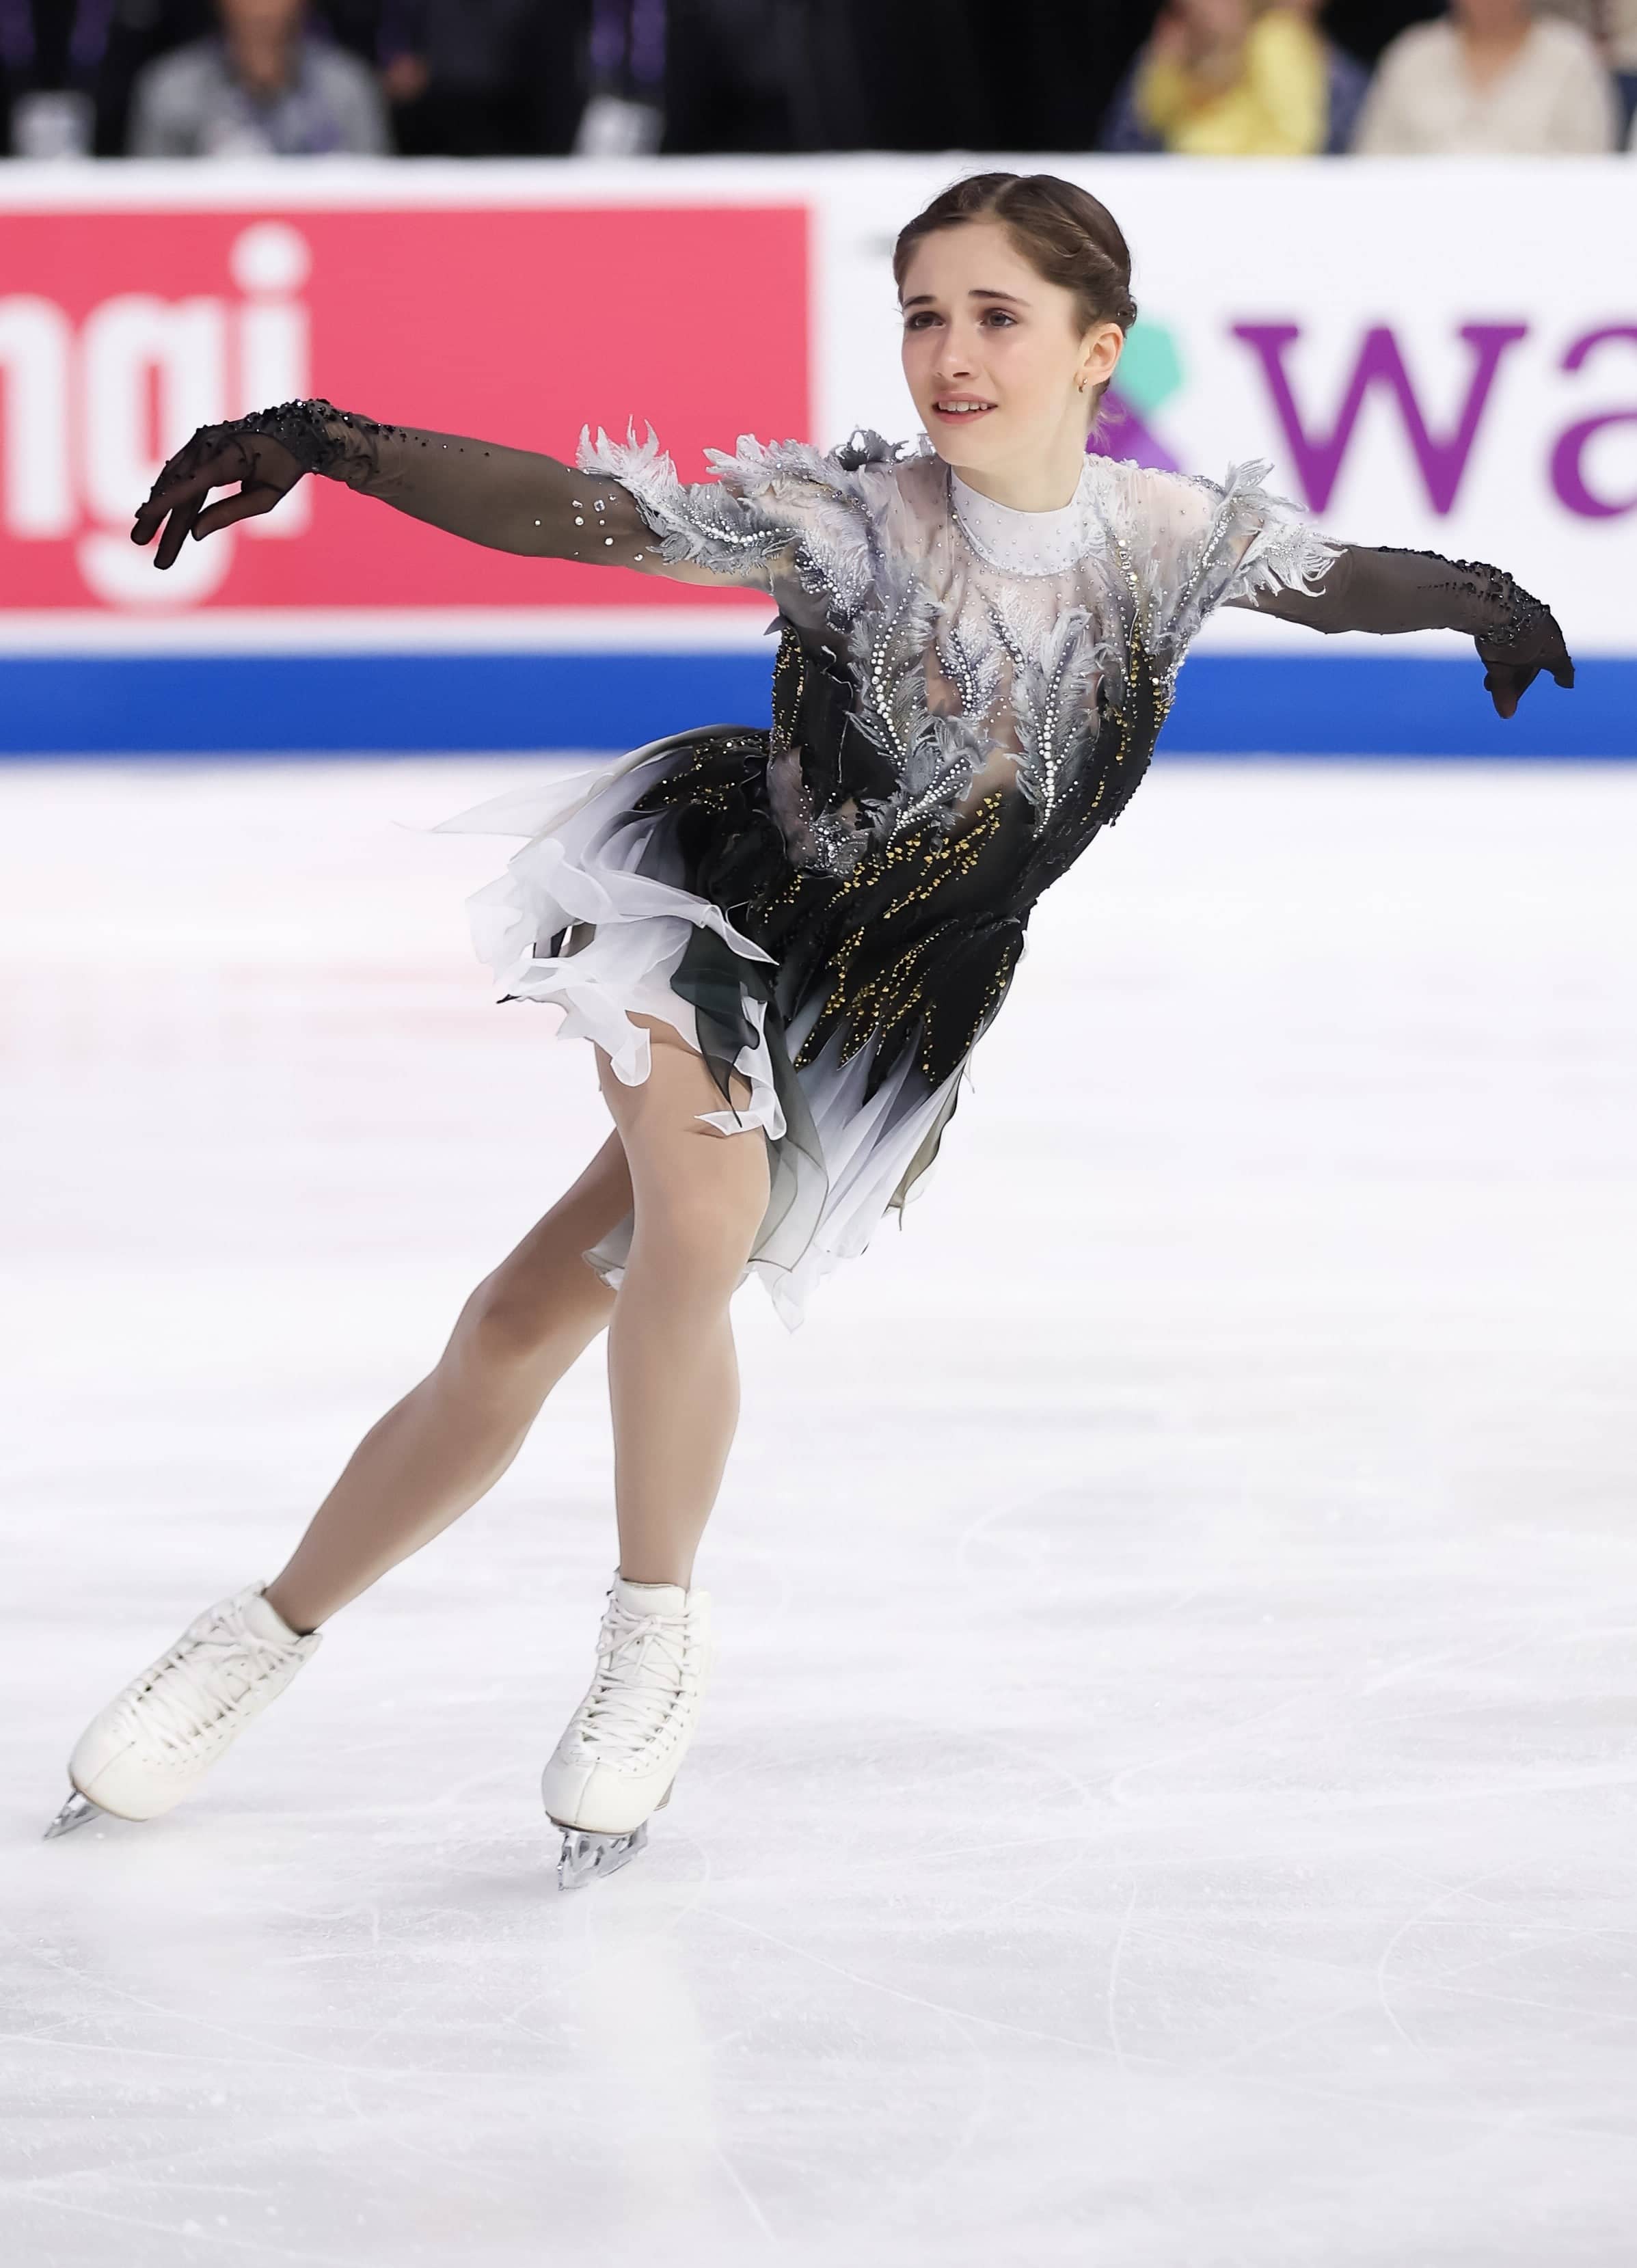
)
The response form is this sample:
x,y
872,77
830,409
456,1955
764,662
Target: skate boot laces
x,y
642,1670
197,1688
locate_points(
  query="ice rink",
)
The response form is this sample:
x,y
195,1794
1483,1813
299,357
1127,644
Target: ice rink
x,y
1168,1796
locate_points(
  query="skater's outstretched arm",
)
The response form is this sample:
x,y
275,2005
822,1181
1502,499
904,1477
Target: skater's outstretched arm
x,y
507,499
1388,591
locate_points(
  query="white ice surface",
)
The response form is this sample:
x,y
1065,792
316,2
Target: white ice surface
x,y
1169,1799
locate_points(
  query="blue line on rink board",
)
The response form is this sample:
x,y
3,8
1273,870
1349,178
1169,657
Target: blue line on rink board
x,y
395,703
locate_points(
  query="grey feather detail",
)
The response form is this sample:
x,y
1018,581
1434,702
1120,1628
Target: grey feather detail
x,y
934,772
934,758
766,501
1284,550
819,498
1051,699
974,671
890,665
1287,553
708,525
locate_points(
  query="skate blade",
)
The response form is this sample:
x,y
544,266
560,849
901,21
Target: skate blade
x,y
587,1856
75,1813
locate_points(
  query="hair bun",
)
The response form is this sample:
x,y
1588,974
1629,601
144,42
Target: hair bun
x,y
1064,232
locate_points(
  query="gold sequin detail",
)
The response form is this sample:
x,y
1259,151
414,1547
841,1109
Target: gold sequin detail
x,y
928,861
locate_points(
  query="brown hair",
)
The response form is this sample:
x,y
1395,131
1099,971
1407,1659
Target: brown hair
x,y
1061,230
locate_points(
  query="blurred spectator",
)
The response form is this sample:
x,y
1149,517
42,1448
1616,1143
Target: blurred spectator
x,y
1346,80
1221,78
51,111
1126,127
263,85
1612,26
485,78
1488,78
57,56
624,113
478,78
747,76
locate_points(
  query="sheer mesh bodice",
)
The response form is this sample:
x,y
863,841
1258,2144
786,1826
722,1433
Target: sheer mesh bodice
x,y
974,650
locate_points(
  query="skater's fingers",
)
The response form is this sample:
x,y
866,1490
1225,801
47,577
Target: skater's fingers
x,y
170,496
1507,685
1511,668
247,504
1556,659
187,478
149,517
175,533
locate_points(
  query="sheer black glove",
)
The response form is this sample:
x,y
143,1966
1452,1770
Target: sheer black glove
x,y
507,499
215,458
1513,662
1385,590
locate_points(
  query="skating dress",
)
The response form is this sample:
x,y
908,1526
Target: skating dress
x,y
833,904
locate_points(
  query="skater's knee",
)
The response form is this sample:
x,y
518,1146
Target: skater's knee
x,y
701,1237
507,1325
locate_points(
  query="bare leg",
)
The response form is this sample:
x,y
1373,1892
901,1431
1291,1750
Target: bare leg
x,y
451,1438
673,1372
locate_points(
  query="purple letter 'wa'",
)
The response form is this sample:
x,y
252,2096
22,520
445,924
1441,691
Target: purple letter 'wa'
x,y
1442,461
1568,472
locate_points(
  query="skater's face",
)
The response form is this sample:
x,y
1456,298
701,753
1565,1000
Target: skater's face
x,y
1001,369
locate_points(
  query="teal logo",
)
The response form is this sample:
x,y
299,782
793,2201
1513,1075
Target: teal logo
x,y
1150,373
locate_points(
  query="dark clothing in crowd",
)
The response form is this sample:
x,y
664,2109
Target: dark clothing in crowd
x,y
503,77
194,104
99,47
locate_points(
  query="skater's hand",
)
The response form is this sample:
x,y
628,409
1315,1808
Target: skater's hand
x,y
1511,666
215,458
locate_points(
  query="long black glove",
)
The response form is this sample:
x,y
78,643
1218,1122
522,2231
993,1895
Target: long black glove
x,y
509,499
1387,590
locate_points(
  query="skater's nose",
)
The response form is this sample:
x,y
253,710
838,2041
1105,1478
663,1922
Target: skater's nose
x,y
956,362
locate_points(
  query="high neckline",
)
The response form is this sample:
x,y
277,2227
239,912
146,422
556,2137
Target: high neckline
x,y
1027,543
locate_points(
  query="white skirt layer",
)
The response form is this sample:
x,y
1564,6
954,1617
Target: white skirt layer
x,y
579,867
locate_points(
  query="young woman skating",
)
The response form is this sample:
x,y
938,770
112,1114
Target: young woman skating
x,y
784,942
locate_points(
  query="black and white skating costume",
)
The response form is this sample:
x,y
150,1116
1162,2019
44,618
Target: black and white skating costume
x,y
834,905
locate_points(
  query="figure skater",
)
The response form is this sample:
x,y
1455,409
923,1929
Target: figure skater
x,y
784,943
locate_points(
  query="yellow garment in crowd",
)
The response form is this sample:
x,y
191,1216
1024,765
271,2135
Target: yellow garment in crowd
x,y
1277,107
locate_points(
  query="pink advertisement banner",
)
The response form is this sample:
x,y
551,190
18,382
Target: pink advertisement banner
x,y
122,330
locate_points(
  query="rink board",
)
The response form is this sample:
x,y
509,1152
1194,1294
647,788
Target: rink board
x,y
1227,704
1375,352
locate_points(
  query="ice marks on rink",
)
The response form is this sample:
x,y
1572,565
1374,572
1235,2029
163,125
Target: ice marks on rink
x,y
1169,1794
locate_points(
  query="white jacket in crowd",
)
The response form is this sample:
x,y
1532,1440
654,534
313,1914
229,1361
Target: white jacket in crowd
x,y
1555,98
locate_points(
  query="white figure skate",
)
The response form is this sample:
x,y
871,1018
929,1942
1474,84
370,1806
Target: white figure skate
x,y
144,1751
618,1759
